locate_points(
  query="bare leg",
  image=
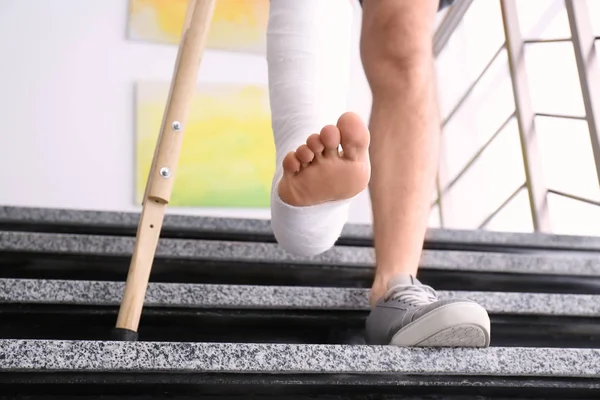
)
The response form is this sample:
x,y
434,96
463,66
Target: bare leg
x,y
396,50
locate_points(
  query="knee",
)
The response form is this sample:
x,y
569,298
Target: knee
x,y
396,41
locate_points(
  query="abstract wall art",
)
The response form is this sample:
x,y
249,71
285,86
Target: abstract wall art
x,y
228,155
237,25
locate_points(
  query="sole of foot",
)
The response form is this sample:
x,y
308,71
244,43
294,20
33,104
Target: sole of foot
x,y
318,172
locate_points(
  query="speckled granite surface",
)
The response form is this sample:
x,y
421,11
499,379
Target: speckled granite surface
x,y
25,355
257,226
552,264
131,219
271,252
276,297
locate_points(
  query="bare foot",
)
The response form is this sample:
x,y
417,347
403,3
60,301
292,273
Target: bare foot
x,y
317,172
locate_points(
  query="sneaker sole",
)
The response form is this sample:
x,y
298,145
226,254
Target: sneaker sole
x,y
461,324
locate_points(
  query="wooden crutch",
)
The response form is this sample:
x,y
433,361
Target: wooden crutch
x,y
164,164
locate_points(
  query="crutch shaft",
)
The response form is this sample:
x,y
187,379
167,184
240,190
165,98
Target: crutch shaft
x,y
164,163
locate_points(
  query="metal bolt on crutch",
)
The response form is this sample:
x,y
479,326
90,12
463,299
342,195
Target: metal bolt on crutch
x,y
164,164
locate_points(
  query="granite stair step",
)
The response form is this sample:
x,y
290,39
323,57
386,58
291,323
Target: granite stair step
x,y
98,257
57,220
229,314
216,313
120,368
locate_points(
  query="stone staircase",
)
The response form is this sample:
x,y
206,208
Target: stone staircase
x,y
230,315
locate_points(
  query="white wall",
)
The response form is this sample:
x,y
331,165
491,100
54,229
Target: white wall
x,y
67,75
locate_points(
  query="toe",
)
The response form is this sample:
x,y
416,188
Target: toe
x,y
315,144
330,137
304,154
355,137
290,163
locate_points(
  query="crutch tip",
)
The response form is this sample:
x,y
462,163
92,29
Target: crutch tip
x,y
123,335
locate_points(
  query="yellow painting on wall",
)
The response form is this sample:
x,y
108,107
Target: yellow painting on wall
x,y
228,156
237,25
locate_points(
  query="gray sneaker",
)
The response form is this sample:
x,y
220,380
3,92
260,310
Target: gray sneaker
x,y
410,314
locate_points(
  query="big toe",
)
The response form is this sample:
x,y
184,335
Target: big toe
x,y
355,136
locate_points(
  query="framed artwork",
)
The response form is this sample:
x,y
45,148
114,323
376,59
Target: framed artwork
x,y
237,25
228,154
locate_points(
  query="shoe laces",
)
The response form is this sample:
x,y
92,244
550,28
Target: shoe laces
x,y
418,295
